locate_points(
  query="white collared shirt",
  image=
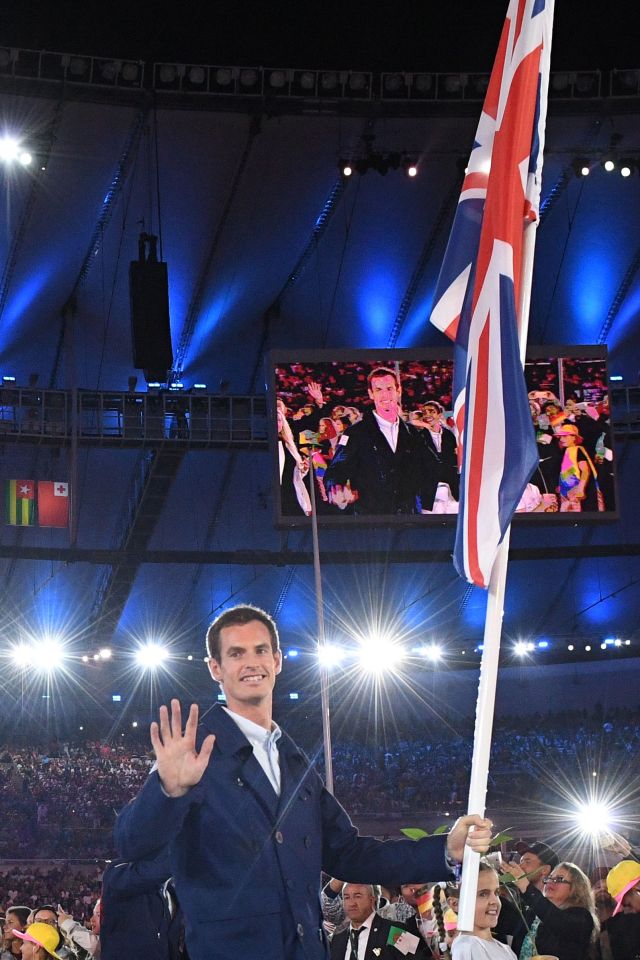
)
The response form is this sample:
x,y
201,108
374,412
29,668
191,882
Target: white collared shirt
x,y
265,746
436,436
390,430
363,939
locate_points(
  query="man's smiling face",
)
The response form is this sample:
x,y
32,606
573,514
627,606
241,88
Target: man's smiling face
x,y
248,664
385,393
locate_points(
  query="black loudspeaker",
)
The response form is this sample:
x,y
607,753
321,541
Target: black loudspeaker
x,y
150,328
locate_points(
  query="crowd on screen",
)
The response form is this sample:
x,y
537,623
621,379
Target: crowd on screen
x,y
62,799
321,407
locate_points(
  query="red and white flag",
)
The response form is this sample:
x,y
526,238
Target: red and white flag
x,y
53,503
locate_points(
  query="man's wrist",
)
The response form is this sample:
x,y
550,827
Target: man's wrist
x,y
453,864
174,794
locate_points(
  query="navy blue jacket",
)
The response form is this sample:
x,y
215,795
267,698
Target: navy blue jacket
x,y
247,864
136,920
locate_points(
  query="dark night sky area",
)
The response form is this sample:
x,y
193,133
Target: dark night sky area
x,y
456,35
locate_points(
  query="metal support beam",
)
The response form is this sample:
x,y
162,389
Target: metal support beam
x,y
145,507
276,558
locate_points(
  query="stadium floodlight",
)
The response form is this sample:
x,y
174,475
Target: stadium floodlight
x,y
523,647
593,818
9,149
105,653
379,654
151,655
330,655
48,654
430,651
22,655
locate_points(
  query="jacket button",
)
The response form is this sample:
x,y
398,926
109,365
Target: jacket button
x,y
300,930
279,837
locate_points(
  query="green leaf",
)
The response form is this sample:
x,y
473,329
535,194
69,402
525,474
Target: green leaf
x,y
414,833
443,828
501,838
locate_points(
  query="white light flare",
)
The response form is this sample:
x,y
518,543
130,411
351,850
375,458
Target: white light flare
x,y
151,655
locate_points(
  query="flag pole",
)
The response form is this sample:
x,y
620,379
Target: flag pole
x,y
485,705
484,726
322,664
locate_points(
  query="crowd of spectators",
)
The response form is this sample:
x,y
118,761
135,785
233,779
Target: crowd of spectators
x,y
76,888
530,759
61,801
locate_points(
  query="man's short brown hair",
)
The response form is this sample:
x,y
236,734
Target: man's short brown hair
x,y
237,617
383,372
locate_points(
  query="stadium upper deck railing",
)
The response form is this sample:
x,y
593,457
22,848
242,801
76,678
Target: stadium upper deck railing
x,y
132,419
225,81
195,420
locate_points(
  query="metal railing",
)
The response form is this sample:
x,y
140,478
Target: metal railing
x,y
195,419
281,83
133,419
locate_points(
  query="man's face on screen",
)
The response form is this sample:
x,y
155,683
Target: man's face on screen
x,y
385,393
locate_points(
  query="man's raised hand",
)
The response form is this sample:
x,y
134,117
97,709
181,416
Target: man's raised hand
x,y
179,764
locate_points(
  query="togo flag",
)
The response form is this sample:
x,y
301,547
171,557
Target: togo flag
x,y
53,503
402,940
20,503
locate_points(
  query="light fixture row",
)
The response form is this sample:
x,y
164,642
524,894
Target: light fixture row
x,y
623,166
382,163
223,79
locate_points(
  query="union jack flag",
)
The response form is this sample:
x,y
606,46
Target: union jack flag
x,y
482,292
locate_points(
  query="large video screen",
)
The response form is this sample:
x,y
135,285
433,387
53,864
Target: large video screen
x,y
375,430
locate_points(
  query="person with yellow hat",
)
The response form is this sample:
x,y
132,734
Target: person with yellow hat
x,y
578,477
623,928
623,885
41,940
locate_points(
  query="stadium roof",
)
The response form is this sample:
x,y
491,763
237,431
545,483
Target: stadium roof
x,y
266,247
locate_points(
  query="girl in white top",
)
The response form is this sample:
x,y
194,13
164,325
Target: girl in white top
x,y
480,945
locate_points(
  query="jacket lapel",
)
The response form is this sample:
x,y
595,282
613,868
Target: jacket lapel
x,y
293,771
377,939
232,743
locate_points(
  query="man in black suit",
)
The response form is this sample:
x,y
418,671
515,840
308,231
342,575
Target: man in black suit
x,y
140,913
381,465
442,445
367,936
